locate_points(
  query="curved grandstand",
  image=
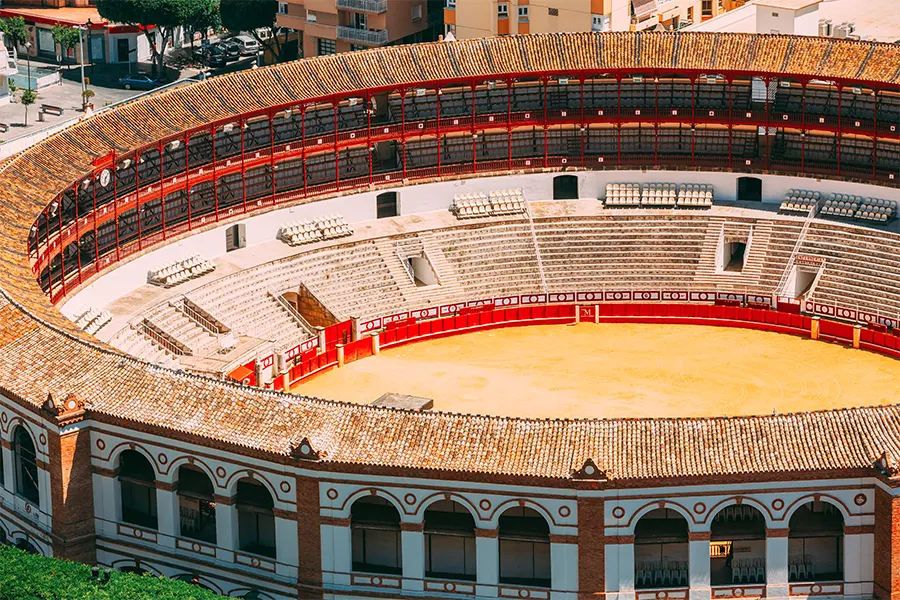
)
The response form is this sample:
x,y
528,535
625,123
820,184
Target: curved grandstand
x,y
133,464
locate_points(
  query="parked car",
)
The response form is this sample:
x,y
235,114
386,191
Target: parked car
x,y
248,45
139,81
215,56
232,49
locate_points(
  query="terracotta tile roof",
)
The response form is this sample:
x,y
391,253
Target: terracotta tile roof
x,y
40,350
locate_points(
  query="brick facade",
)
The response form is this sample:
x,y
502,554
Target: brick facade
x,y
72,495
309,574
591,550
887,546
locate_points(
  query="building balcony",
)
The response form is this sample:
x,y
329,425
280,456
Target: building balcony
x,y
369,37
375,7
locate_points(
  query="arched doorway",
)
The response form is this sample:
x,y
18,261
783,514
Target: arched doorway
x,y
256,518
661,550
749,189
375,536
449,541
524,547
816,543
565,187
196,505
737,546
25,458
137,483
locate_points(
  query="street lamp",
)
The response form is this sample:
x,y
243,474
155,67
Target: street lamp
x,y
28,61
90,58
81,58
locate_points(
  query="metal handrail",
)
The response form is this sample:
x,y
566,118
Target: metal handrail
x,y
779,290
369,6
373,37
158,336
407,267
537,249
180,304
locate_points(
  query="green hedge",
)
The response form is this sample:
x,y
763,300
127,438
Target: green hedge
x,y
25,576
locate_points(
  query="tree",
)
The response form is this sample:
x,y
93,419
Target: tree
x,y
28,98
203,20
14,29
250,15
65,36
157,19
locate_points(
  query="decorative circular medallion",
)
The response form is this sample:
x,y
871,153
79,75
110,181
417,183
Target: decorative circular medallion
x,y
859,500
4,417
138,533
195,547
661,595
816,589
777,503
332,494
42,439
699,508
523,593
485,504
564,511
101,445
589,469
285,487
449,587
220,472
28,508
738,592
409,498
162,458
305,449
376,581
254,562
618,512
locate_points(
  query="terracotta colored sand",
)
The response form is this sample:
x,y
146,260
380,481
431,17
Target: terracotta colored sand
x,y
619,370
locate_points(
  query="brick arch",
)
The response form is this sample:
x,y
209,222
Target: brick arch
x,y
458,498
115,455
17,535
230,484
836,502
16,422
202,579
179,462
501,508
352,498
651,506
130,562
737,500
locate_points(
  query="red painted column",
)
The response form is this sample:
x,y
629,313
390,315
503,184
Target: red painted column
x,y
438,139
272,152
840,129
212,137
875,136
403,130
162,198
337,152
187,180
618,119
370,150
303,147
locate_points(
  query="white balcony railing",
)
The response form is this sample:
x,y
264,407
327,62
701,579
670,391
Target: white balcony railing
x,y
369,37
375,7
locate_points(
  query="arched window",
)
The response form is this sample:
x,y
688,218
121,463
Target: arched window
x,y
26,466
193,579
256,518
816,543
524,541
134,570
23,544
375,531
137,482
737,546
449,541
661,550
196,506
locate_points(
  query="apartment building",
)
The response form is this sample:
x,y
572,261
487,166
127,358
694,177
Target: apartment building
x,y
331,26
481,18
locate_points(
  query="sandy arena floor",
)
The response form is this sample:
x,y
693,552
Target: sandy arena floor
x,y
619,370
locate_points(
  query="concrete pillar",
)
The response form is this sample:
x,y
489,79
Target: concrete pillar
x,y
337,551
340,355
412,549
564,563
107,501
320,335
577,313
814,328
376,343
168,516
857,334
777,563
286,547
596,313
619,567
226,528
487,556
698,568
258,371
354,329
9,468
859,559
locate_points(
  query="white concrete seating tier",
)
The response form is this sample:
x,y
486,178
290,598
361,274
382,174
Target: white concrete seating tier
x,y
306,232
800,200
180,271
92,320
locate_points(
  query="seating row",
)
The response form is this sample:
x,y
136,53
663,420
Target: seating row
x,y
800,200
661,574
748,570
306,232
180,271
92,320
658,194
480,204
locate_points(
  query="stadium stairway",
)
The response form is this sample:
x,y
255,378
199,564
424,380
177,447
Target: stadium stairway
x,y
758,235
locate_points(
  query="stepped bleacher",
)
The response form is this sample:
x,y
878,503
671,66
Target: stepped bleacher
x,y
492,204
329,227
858,207
179,271
658,195
92,320
800,201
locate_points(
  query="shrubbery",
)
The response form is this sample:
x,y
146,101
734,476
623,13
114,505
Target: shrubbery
x,y
25,576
